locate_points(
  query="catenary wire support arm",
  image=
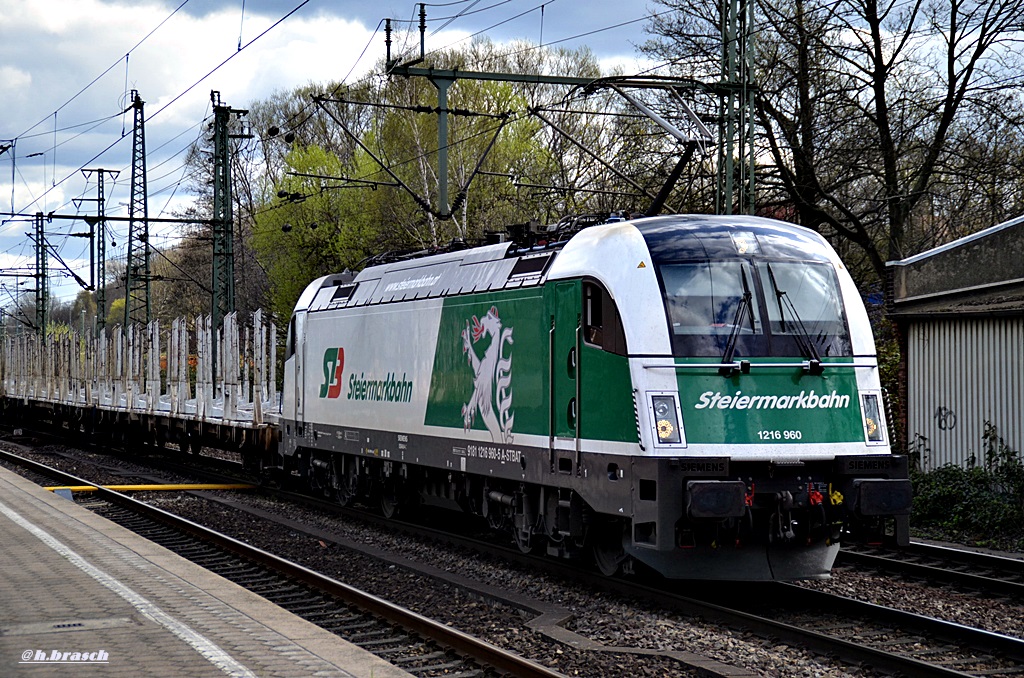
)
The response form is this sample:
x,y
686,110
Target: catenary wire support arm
x,y
460,197
414,109
77,278
347,180
413,194
689,143
592,154
681,136
567,189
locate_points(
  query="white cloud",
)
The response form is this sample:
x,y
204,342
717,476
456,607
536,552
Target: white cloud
x,y
14,78
63,67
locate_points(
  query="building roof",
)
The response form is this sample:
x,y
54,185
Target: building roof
x,y
980,274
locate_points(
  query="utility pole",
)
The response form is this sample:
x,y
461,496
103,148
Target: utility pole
x,y
736,161
137,274
98,250
42,279
223,301
695,136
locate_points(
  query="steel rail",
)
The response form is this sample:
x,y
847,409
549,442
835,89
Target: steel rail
x,y
966,556
998,644
413,622
1004,576
822,643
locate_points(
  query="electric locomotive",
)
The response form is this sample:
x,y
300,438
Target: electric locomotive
x,y
699,394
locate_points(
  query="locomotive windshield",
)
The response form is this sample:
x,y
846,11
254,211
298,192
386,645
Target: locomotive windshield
x,y
707,298
754,308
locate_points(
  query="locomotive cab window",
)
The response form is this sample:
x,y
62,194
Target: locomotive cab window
x,y
803,302
713,303
602,325
754,308
711,298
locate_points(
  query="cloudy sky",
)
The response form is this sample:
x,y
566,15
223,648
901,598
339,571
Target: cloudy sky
x,y
67,66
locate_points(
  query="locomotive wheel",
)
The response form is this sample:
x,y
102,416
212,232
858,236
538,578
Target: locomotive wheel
x,y
609,554
349,486
388,505
609,560
524,542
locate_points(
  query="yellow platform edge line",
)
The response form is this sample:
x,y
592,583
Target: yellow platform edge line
x,y
152,488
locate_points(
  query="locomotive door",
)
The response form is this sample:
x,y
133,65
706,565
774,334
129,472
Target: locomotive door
x,y
564,363
300,355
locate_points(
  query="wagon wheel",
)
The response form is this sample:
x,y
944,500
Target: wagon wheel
x,y
390,504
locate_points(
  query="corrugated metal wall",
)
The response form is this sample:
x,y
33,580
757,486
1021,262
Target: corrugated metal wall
x,y
960,374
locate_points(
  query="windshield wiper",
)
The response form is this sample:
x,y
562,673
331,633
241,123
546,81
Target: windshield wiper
x,y
744,310
802,336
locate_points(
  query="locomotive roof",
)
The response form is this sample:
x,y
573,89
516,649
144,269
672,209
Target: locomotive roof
x,y
492,267
700,236
507,266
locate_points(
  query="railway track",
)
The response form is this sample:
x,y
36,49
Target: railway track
x,y
416,643
984,572
881,637
868,636
860,634
872,637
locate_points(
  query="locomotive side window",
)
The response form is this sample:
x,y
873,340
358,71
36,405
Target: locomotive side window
x,y
602,325
289,344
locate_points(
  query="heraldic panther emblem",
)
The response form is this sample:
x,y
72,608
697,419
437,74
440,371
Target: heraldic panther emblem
x,y
492,379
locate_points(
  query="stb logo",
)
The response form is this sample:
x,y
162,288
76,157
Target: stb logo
x,y
334,364
492,376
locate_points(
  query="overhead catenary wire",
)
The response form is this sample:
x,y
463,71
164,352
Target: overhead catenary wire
x,y
108,69
567,98
466,12
176,98
303,112
55,183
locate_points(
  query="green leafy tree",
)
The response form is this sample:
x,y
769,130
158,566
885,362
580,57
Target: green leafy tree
x,y
115,315
353,172
324,231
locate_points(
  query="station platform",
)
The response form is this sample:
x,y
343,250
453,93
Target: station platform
x,y
80,595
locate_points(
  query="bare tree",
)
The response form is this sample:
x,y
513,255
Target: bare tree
x,y
873,111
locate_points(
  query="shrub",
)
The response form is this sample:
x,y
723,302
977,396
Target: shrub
x,y
982,504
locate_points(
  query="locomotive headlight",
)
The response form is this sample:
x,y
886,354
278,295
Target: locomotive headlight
x,y
666,419
873,431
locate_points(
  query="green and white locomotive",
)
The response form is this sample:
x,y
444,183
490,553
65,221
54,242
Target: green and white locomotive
x,y
699,394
